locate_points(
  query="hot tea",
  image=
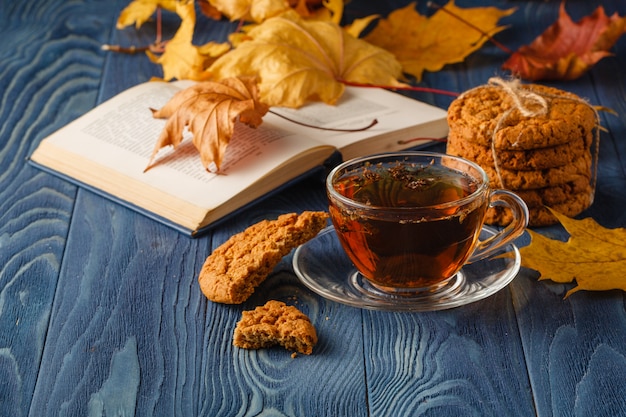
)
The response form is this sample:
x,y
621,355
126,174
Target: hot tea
x,y
404,251
409,221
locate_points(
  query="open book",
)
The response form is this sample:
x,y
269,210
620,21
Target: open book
x,y
108,148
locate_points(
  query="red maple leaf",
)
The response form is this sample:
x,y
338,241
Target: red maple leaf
x,y
566,50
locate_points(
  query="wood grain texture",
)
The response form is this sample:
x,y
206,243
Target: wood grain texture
x,y
464,361
49,74
118,310
128,301
101,313
575,348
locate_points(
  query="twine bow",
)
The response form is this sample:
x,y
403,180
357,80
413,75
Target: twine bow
x,y
523,98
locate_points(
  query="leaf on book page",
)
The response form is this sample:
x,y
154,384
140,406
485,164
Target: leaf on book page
x,y
209,110
594,257
182,59
566,50
299,60
427,44
139,12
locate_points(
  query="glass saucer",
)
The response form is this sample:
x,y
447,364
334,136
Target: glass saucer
x,y
322,265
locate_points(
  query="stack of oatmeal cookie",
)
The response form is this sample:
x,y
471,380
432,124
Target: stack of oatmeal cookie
x,y
534,140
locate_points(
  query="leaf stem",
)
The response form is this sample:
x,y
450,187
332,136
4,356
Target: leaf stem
x,y
159,30
407,141
402,88
124,50
157,47
359,129
491,39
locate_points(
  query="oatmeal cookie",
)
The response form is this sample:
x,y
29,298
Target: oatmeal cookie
x,y
275,323
234,270
540,215
550,177
521,160
542,140
559,194
475,115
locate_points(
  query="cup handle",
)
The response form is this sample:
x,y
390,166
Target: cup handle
x,y
503,198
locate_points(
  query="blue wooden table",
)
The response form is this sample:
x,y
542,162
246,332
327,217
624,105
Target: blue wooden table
x,y
101,313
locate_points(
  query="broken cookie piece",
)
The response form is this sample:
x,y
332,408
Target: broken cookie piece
x,y
275,323
234,270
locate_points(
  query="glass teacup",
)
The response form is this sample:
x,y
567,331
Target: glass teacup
x,y
409,221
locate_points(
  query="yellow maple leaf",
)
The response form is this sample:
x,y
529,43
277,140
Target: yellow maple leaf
x,y
427,44
139,12
182,59
209,110
593,256
299,60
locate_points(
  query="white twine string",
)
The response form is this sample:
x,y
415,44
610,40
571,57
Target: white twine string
x,y
523,98
532,104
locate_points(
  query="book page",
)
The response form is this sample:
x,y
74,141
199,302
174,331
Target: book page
x,y
397,116
109,148
121,133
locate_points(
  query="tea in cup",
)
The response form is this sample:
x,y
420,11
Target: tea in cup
x,y
409,221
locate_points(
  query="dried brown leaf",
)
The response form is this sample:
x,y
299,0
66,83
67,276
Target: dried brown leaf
x,y
566,50
209,110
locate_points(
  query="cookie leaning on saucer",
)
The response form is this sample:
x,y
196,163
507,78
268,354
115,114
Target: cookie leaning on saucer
x,y
233,271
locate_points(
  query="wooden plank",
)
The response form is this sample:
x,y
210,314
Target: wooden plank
x,y
130,329
610,91
464,361
49,76
106,330
131,333
574,347
330,381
